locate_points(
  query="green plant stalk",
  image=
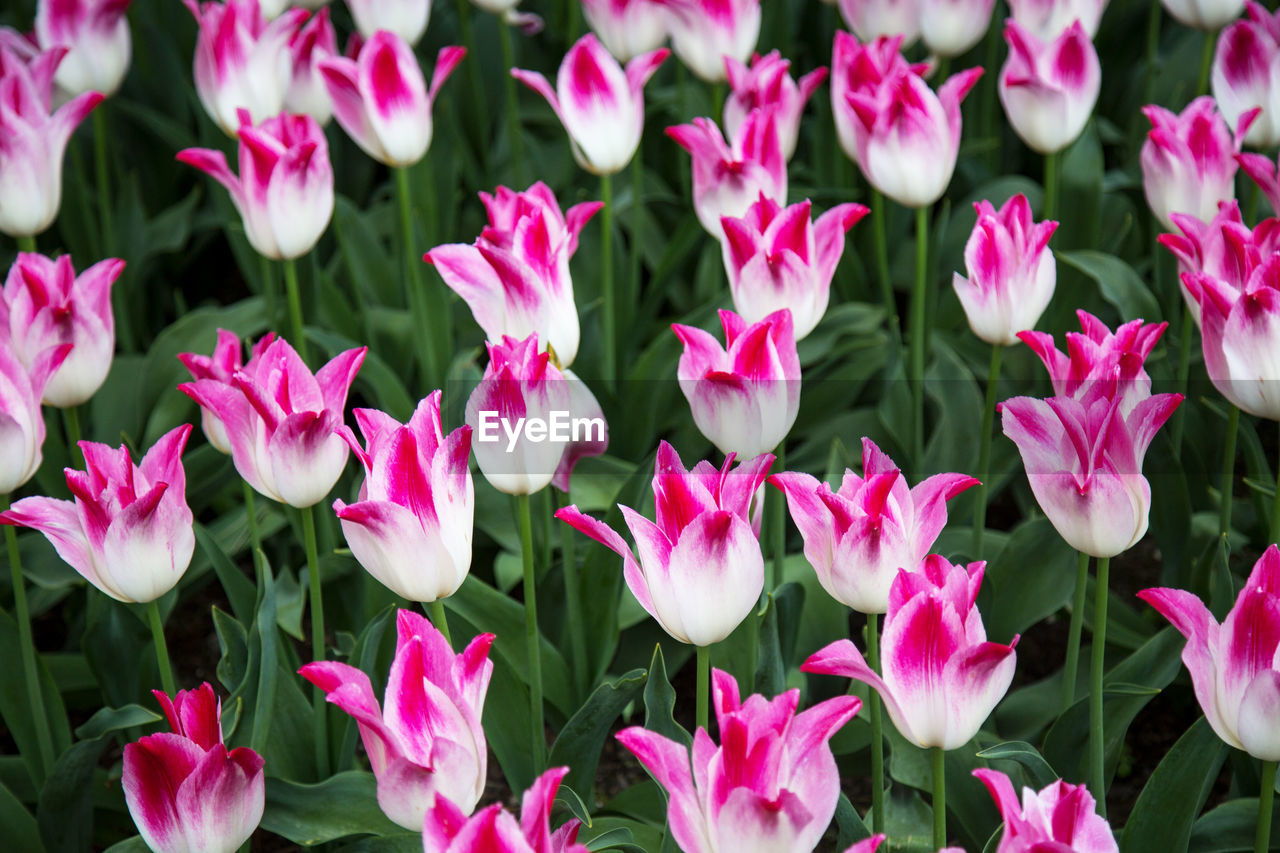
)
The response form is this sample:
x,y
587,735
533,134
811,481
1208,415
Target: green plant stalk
x,y
609,306
430,325
637,216
545,507
779,526
104,179
295,307
939,797
71,421
879,215
984,451
1266,798
1228,474
918,299
877,723
717,102
1275,509
1072,666
1206,62
1051,185
435,609
573,602
513,113
1184,372
574,19
704,688
478,108
26,243
1097,743
30,672
538,729
317,637
255,535
162,648
270,298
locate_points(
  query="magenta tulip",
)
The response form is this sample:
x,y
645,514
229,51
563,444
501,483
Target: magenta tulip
x,y
313,43
767,85
96,36
1049,88
627,28
495,830
1241,78
1048,19
869,845
1224,247
1061,816
873,19
705,32
221,367
22,429
408,19
861,68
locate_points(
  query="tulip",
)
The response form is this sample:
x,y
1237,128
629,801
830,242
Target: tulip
x,y
1224,248
745,395
96,36
771,784
242,61
45,304
1207,15
285,189
411,527
600,105
34,137
728,177
22,428
1048,19
1011,269
495,830
312,43
628,28
1060,816
1235,666
185,790
408,19
220,368
515,278
869,845
1048,88
705,32
700,570
427,742
382,100
282,421
951,27
129,531
858,537
1188,160
776,258
861,68
1262,171
1241,78
882,18
942,677
767,84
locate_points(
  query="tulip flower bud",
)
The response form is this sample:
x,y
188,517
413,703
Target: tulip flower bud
x,y
1059,815
448,830
408,19
627,28
426,742
1207,15
951,27
874,19
787,798
767,85
1048,89
220,368
21,421
314,42
1048,19
1241,78
704,32
129,531
96,36
284,192
184,790
1188,160
45,304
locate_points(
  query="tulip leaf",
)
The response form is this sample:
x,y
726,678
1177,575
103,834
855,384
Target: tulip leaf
x,y
263,638
406,843
65,811
238,588
955,426
569,798
1230,828
1167,807
129,845
20,828
107,720
618,838
376,376
660,702
1119,284
364,656
1041,774
778,638
345,804
851,827
16,710
582,738
1020,598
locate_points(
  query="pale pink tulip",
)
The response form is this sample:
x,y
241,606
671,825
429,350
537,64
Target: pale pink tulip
x,y
861,68
1048,19
950,28
873,19
1049,88
314,42
705,32
96,36
1243,68
767,85
406,18
628,28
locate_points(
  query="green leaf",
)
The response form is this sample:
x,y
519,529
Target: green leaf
x,y
1119,284
342,805
582,738
1021,595
1230,828
16,710
239,589
130,845
569,798
1166,809
851,827
20,829
408,843
1026,755
65,812
107,720
618,838
660,702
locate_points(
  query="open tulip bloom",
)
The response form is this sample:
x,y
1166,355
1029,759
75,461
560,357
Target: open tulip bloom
x,y
221,367
314,42
1241,78
1049,88
704,32
628,28
22,428
96,35
767,84
447,829
861,67
1059,817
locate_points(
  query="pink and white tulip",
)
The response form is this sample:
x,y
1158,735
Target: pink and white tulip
x,y
771,784
600,105
1012,273
515,278
1224,247
35,137
226,361
767,84
408,19
1060,816
728,177
1049,88
777,258
869,845
411,526
951,27
1048,19
700,571
284,192
128,531
1188,160
495,830
96,36
942,677
282,421
45,304
1207,15
628,28
382,100
184,789
873,19
314,42
858,537
1242,74
861,68
1235,666
242,61
426,741
744,395
22,429
705,32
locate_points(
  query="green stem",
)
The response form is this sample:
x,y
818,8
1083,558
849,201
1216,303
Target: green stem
x,y
1097,741
637,216
984,451
538,730
30,672
573,603
717,102
432,325
251,515
1206,62
918,301
988,111
513,114
295,307
104,179
610,308
1228,474
1266,797
1275,507
26,243
162,648
1072,667
1051,185
704,688
71,420
877,723
939,797
574,14
1184,372
435,609
317,638
270,297
478,108
879,216
779,525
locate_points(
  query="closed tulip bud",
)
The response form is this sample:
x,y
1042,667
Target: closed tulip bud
x,y
600,105
942,677
767,85
382,100
406,18
45,304
728,177
873,19
1207,15
184,789
627,28
745,395
1188,160
1059,816
704,32
314,42
858,537
22,428
861,68
96,36
1049,88
284,192
220,368
776,258
1011,269
425,742
700,570
951,27
35,137
771,783
1241,78
1048,19
1235,666
129,531
242,60
447,829
515,277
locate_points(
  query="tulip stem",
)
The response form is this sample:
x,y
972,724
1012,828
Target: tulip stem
x,y
513,114
717,102
435,609
1275,507
71,420
1051,185
295,307
104,179
1206,62
984,451
30,672
877,723
704,688
1072,667
251,515
610,318
1097,743
573,601
637,217
1266,798
939,797
538,729
431,329
918,300
26,243
162,648
317,637
879,215
1228,475
1184,372
270,298
779,526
